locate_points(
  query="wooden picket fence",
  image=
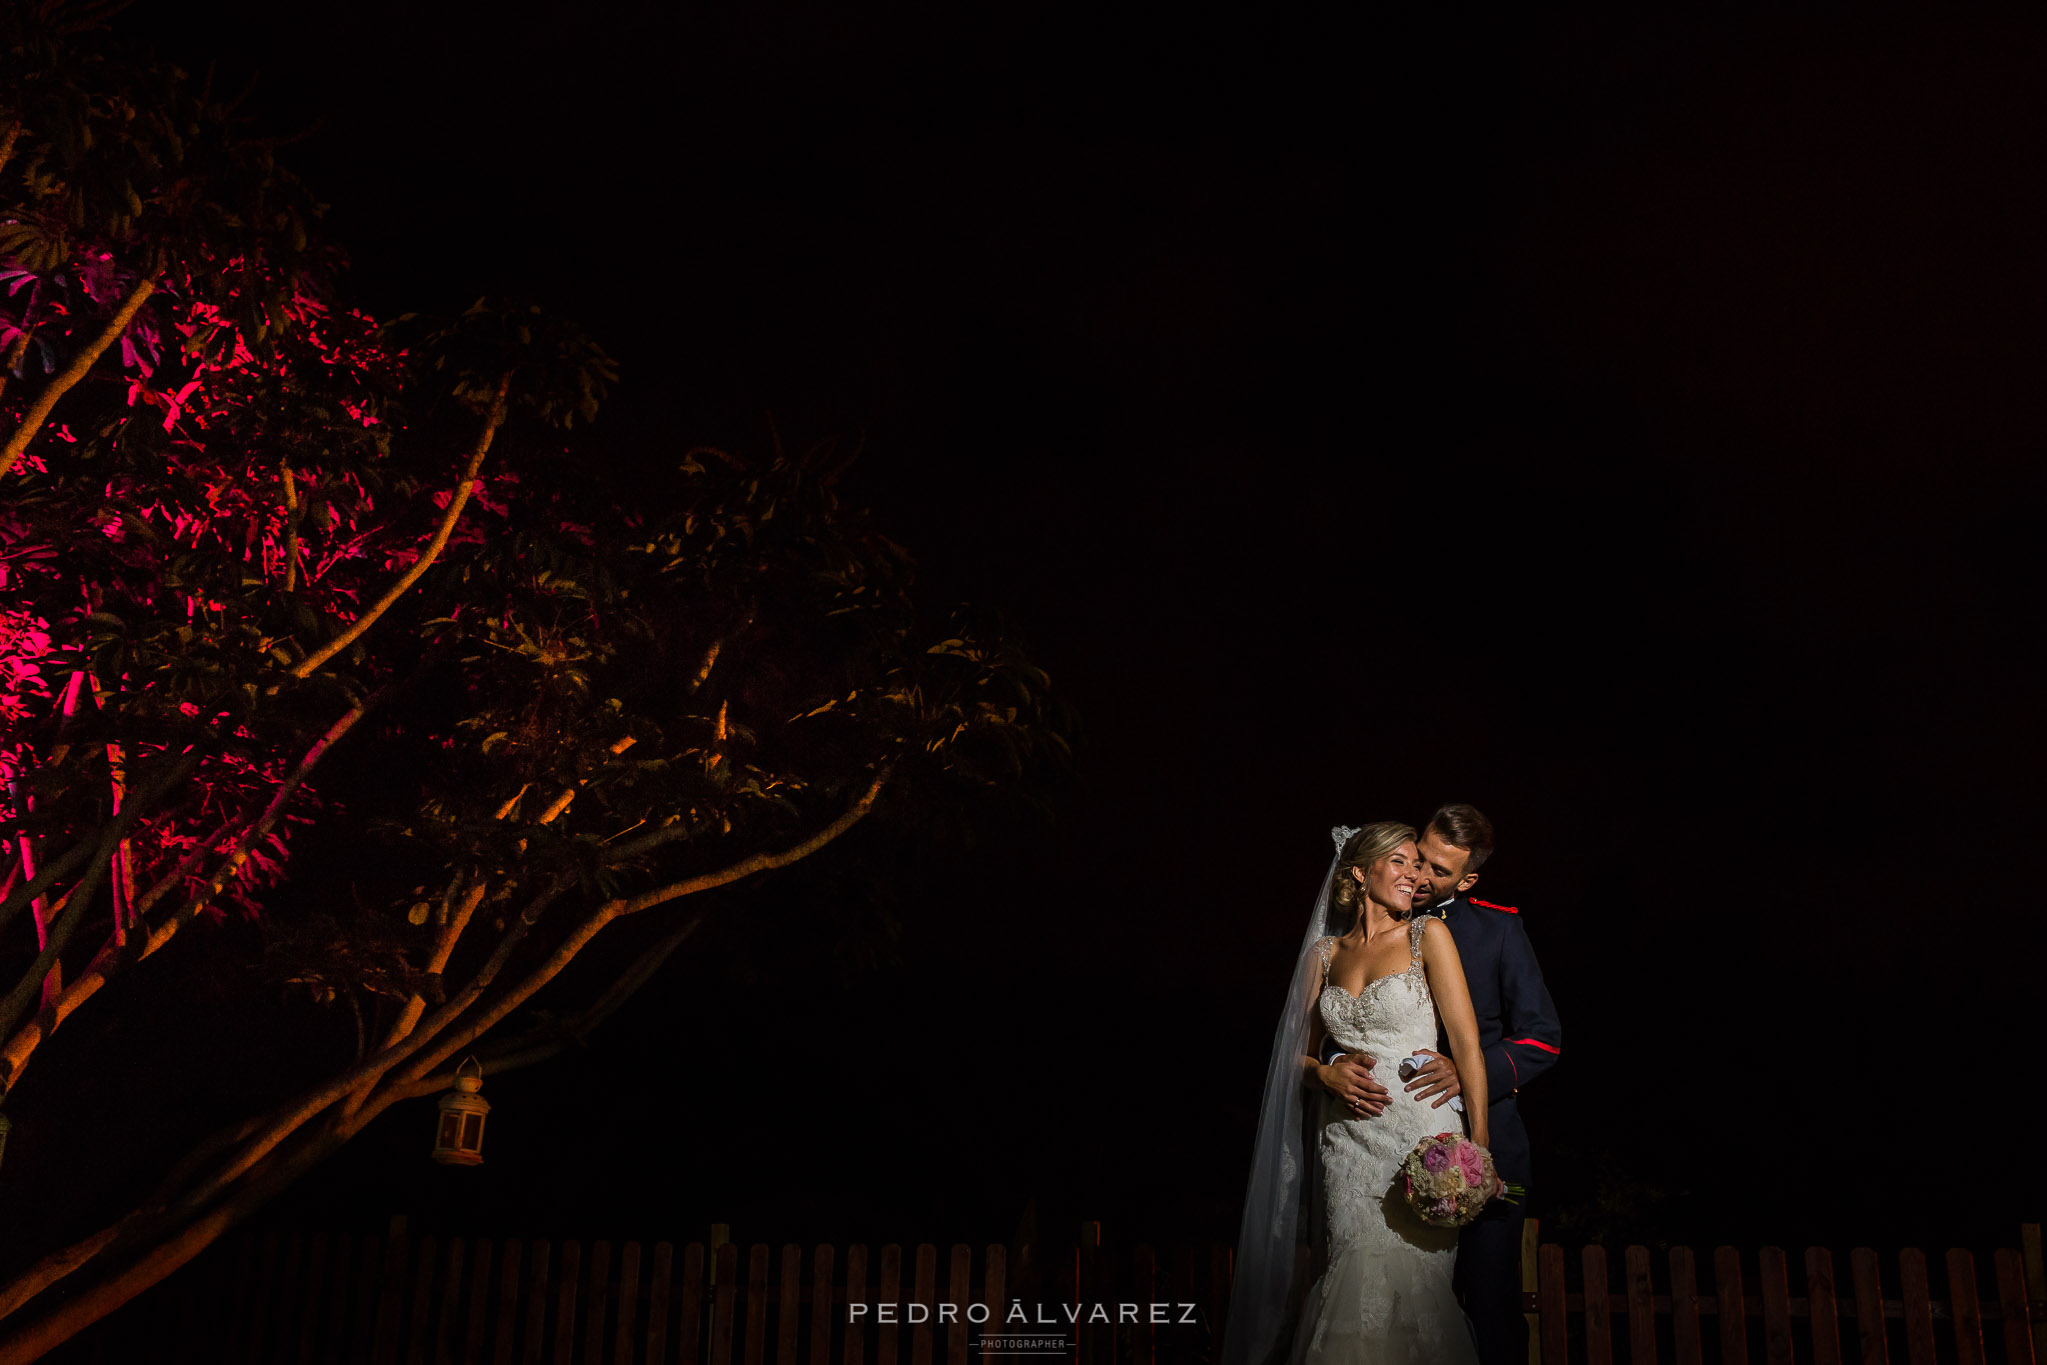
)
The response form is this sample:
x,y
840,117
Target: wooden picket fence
x,y
395,1299
398,1300
1761,1319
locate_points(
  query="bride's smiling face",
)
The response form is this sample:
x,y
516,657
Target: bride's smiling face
x,y
1390,881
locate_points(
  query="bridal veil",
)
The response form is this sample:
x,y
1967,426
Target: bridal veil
x,y
1279,1241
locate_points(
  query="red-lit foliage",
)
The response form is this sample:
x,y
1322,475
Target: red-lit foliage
x,y
244,524
159,574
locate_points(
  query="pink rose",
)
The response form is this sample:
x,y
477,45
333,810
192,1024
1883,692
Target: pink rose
x,y
1471,1165
1436,1159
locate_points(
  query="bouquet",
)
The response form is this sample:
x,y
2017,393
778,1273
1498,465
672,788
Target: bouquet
x,y
1449,1180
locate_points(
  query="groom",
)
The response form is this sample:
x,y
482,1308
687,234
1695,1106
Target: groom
x,y
1520,1037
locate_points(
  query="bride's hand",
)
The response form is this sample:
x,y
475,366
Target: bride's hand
x,y
1350,1079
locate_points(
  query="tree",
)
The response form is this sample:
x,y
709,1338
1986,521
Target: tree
x,y
246,524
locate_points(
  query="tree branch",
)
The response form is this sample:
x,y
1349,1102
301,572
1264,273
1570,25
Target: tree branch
x,y
82,1310
458,500
760,862
541,1044
361,1078
12,1008
257,1138
580,937
444,946
31,984
45,877
291,526
14,1057
81,363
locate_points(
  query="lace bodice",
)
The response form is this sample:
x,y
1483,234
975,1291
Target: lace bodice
x,y
1392,1016
1385,1293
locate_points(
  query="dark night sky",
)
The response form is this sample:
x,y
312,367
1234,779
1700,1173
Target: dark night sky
x,y
1630,427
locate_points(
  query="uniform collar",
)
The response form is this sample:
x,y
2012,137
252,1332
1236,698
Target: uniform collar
x,y
1441,909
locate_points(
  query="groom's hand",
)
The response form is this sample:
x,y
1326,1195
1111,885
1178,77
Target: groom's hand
x,y
1350,1080
1438,1077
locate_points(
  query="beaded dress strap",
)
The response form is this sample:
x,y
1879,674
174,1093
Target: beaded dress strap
x,y
1414,941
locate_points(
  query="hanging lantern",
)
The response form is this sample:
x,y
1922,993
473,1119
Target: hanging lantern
x,y
459,1140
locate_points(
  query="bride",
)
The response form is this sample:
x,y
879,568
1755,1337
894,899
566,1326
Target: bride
x,y
1333,1268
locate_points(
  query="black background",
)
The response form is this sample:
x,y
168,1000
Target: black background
x,y
1628,425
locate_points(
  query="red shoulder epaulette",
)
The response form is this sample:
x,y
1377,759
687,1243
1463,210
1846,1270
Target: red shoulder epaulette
x,y
1490,906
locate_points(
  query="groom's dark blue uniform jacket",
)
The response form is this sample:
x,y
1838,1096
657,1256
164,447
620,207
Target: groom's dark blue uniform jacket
x,y
1517,1022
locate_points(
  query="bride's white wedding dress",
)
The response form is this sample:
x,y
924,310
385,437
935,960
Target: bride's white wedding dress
x,y
1385,1295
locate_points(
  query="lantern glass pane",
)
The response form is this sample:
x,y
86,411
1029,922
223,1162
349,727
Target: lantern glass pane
x,y
451,1127
472,1131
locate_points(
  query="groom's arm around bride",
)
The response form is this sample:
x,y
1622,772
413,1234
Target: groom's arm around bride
x,y
1520,1038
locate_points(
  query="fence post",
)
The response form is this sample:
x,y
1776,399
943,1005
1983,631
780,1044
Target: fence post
x,y
1086,1278
1598,1319
536,1300
1641,1308
1531,1242
288,1295
315,1281
792,1293
856,1292
657,1304
724,1270
422,1302
756,1303
364,1339
689,1325
1684,1306
1556,1336
721,1235
1732,1304
451,1297
1825,1315
2036,1283
628,1303
508,1301
237,1296
1964,1309
565,1301
259,1310
390,1294
891,1293
479,1298
1774,1285
927,1296
1918,1306
2012,1302
959,1292
593,1315
1221,1269
1144,1276
994,1290
820,1306
1873,1347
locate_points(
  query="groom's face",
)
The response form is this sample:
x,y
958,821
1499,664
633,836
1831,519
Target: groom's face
x,y
1441,872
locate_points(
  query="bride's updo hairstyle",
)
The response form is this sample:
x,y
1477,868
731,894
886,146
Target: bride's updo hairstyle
x,y
1367,846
